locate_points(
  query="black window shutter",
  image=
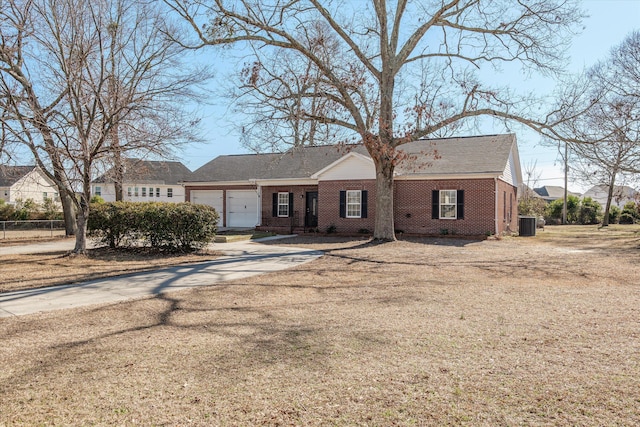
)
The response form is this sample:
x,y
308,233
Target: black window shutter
x,y
435,204
343,204
363,204
274,212
460,204
290,204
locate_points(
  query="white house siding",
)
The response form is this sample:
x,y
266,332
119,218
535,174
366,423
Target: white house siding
x,y
33,186
108,192
621,196
352,167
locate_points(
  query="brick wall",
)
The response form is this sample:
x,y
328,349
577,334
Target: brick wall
x,y
507,208
329,206
413,207
285,225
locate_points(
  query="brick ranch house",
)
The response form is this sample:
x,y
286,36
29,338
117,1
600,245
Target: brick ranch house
x,y
468,188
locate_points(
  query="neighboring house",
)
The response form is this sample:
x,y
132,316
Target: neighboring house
x,y
553,192
145,181
469,189
622,194
26,182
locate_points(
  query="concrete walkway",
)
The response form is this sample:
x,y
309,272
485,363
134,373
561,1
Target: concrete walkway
x,y
241,259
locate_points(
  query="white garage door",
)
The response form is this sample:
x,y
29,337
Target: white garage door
x,y
211,198
242,208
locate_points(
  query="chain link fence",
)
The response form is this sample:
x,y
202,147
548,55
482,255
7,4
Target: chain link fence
x,y
31,229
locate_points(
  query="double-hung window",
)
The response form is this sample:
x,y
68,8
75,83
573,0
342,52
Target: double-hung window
x,y
448,200
283,204
447,204
157,192
169,192
129,191
354,198
353,204
144,191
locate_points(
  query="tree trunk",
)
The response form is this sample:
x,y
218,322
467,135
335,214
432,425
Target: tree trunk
x,y
384,225
81,234
119,174
605,218
69,212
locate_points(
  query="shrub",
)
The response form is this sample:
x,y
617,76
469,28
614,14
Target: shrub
x,y
614,214
167,226
51,210
626,218
26,209
590,211
6,211
553,213
96,199
532,206
113,223
631,209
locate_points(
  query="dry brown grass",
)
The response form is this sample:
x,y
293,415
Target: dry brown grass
x,y
21,272
526,331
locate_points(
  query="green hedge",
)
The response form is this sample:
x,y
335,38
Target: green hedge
x,y
168,226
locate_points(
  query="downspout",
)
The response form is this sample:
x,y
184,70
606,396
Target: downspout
x,y
495,213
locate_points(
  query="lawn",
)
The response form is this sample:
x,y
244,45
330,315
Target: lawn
x,y
541,330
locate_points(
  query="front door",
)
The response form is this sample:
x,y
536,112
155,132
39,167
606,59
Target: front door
x,y
311,216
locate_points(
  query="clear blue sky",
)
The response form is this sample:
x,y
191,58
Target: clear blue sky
x,y
609,22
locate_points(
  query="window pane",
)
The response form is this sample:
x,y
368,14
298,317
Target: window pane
x,y
447,211
448,196
169,192
353,204
448,200
283,204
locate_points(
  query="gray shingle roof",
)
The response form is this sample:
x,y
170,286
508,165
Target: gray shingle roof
x,y
296,163
150,172
553,192
465,155
9,175
478,154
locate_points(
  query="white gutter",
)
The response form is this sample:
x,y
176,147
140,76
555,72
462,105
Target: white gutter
x,y
495,214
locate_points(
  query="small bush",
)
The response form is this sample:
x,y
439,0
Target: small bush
x,y
614,214
51,210
331,229
6,211
26,210
590,211
96,199
626,218
631,209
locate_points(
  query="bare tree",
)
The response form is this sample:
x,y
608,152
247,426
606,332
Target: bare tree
x,y
75,73
381,47
604,129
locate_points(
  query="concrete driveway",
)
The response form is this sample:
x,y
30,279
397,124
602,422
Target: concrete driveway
x,y
241,259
